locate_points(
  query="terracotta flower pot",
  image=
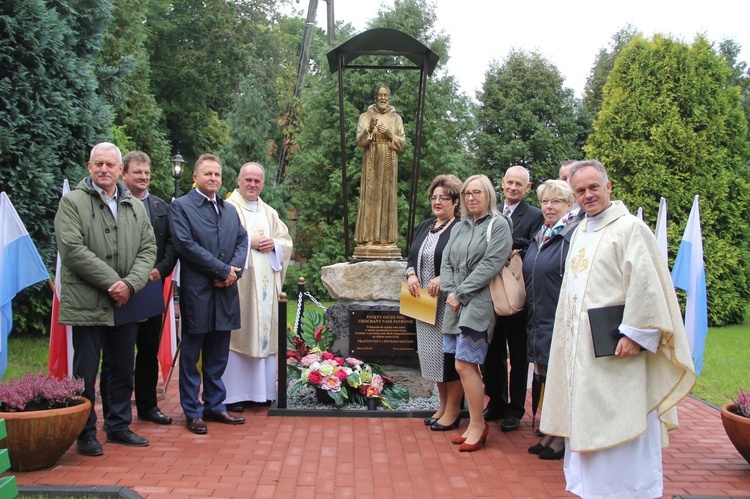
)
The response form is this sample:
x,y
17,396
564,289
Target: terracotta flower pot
x,y
738,429
37,439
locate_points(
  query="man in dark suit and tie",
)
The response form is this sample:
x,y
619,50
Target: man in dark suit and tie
x,y
509,337
212,246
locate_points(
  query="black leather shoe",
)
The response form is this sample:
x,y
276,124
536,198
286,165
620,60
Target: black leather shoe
x,y
155,416
126,437
537,448
430,421
89,446
549,454
223,417
491,414
441,427
510,423
236,407
197,426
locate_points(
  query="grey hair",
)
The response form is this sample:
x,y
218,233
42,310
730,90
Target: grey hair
x,y
252,163
105,145
525,171
589,162
561,188
489,189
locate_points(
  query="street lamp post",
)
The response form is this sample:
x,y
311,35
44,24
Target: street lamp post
x,y
177,162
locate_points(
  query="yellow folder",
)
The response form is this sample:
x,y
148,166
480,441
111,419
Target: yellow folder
x,y
422,308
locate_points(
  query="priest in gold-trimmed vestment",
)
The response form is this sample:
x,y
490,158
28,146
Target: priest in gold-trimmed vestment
x,y
251,370
614,411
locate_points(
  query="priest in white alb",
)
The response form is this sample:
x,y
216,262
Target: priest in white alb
x,y
614,411
250,376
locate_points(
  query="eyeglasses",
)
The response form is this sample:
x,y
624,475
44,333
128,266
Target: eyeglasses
x,y
476,194
443,199
553,202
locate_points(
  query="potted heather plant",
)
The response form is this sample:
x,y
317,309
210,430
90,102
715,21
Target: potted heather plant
x,y
736,419
43,416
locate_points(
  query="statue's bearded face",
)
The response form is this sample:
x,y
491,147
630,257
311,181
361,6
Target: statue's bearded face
x,y
382,98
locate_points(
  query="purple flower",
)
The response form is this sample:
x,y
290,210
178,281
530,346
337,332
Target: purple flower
x,y
38,392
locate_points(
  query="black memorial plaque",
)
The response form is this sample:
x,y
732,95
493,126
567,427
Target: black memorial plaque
x,y
375,333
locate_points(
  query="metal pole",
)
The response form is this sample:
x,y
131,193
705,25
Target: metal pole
x,y
176,187
331,25
281,357
417,153
344,183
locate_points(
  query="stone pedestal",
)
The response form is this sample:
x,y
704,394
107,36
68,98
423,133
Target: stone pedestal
x,y
366,285
365,281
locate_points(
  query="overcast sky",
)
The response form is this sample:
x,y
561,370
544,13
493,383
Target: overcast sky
x,y
568,33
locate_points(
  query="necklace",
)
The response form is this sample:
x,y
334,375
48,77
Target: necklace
x,y
434,229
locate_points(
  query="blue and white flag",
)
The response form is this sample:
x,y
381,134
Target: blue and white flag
x,y
689,274
661,230
20,267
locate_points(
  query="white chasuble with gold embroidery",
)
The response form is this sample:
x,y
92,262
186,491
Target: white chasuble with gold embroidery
x,y
602,402
261,300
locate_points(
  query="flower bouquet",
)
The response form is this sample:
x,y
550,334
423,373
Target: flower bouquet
x,y
311,363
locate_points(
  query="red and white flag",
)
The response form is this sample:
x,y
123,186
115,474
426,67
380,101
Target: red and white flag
x,y
168,344
60,337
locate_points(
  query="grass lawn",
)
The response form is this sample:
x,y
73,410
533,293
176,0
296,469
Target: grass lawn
x,y
27,353
724,364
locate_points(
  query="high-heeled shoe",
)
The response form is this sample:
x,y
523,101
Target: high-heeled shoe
x,y
472,447
430,421
458,440
442,427
549,454
537,448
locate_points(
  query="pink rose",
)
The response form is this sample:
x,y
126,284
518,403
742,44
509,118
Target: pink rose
x,y
341,375
315,377
339,361
327,356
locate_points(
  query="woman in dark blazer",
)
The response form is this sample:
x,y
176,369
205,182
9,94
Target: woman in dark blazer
x,y
543,268
423,271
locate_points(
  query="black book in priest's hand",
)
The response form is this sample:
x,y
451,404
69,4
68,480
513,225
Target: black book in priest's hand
x,y
605,323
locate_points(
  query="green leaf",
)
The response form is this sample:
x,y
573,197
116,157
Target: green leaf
x,y
338,397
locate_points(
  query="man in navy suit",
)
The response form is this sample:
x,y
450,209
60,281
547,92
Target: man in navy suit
x,y
509,337
212,246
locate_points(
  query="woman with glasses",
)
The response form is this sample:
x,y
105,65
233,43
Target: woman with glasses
x,y
543,268
423,271
471,260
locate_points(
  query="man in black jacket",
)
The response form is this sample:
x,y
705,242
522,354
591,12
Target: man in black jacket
x,y
509,337
136,175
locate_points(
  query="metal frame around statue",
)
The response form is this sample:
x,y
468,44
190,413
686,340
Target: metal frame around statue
x,y
383,42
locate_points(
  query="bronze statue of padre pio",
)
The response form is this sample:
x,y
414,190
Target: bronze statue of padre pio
x,y
380,132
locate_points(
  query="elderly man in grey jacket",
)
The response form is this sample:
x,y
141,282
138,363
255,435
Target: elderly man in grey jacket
x,y
107,251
